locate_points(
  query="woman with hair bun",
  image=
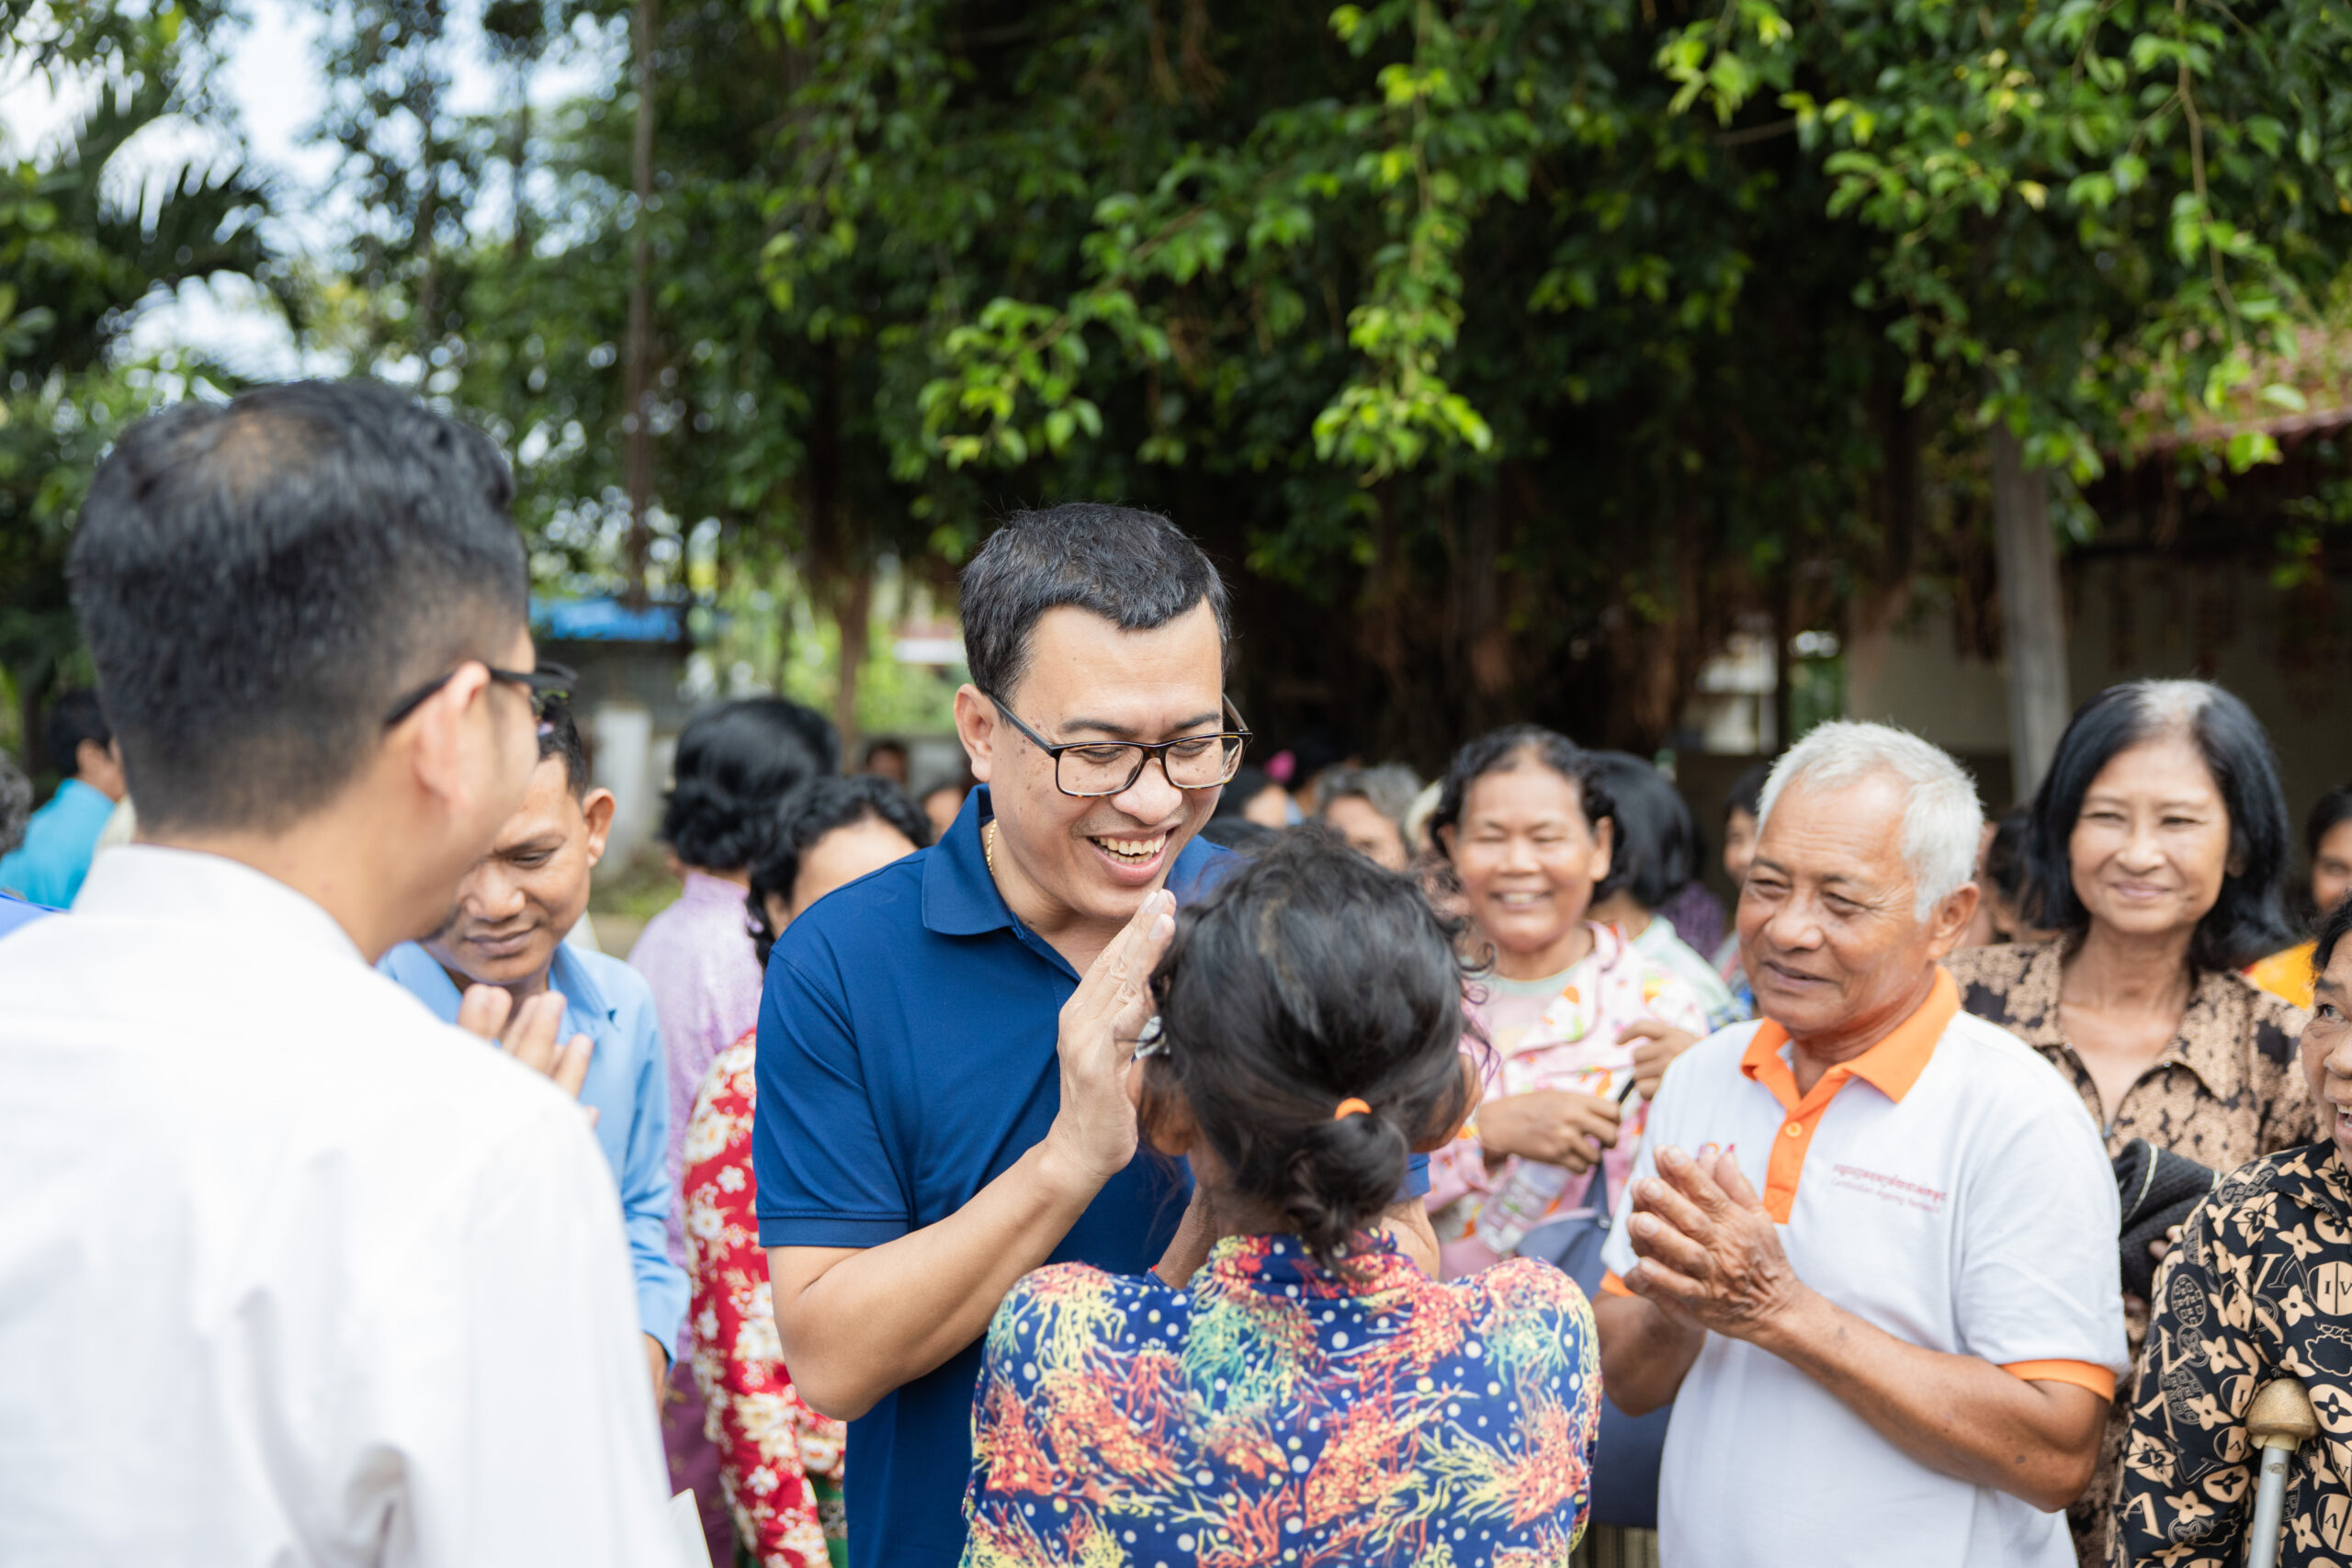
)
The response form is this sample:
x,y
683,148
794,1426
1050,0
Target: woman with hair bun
x,y
1309,1395
2156,849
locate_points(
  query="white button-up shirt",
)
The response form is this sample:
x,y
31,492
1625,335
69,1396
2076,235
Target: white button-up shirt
x,y
291,1272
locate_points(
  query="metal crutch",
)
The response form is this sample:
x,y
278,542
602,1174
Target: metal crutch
x,y
2280,1421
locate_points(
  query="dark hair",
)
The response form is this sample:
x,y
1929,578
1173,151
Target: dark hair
x,y
74,716
2329,931
1657,847
1239,833
2334,807
807,814
1308,977
560,736
1135,568
880,744
2005,863
16,804
261,581
735,763
2249,919
1498,752
1747,792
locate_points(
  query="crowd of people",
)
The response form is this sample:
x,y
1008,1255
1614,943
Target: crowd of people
x,y
1137,1149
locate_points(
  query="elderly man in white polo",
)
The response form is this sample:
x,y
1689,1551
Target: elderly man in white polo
x,y
1869,1248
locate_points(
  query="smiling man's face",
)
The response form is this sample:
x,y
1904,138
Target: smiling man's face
x,y
1087,681
523,897
2327,1049
1836,950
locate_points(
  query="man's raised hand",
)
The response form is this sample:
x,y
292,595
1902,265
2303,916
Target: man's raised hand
x,y
528,1034
1095,1129
1709,1253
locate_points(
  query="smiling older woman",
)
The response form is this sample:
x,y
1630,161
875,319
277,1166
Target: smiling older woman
x,y
2156,849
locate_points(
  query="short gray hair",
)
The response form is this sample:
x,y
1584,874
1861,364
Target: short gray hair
x,y
1389,788
1941,820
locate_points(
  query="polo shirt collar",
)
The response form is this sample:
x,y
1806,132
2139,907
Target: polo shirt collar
x,y
960,898
586,1011
1891,1065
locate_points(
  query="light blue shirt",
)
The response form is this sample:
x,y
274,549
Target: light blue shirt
x,y
610,1003
59,839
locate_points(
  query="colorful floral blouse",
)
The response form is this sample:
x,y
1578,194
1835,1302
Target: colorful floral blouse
x,y
779,1460
2259,1286
1273,1411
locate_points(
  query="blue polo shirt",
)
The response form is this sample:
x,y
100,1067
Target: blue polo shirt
x,y
60,839
610,1003
907,1059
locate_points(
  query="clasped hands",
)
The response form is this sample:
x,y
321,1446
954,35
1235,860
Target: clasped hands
x,y
1563,1127
1707,1252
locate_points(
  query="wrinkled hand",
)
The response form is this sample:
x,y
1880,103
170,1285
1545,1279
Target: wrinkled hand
x,y
1708,1253
528,1034
1556,1126
1096,1126
1660,1043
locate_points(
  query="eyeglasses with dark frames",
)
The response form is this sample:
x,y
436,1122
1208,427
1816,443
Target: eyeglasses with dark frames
x,y
1087,769
547,683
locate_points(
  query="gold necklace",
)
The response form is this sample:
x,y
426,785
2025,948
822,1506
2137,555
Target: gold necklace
x,y
988,847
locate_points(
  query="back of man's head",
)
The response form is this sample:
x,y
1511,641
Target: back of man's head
x,y
1135,568
262,582
75,716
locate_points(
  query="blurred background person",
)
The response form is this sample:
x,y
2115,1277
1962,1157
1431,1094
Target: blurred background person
x,y
16,806
2155,848
942,800
1528,831
61,837
886,758
1740,804
1367,806
1655,858
780,1462
2327,840
735,763
1254,797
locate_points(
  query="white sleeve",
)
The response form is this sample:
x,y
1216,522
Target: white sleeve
x,y
518,1391
2038,1277
1666,1116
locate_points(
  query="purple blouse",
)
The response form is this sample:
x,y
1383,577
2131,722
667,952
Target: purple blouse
x,y
696,955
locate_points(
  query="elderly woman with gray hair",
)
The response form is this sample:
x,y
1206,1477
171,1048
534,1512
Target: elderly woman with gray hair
x,y
1367,806
2155,848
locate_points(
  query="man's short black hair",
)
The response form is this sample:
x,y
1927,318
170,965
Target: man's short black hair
x,y
735,763
560,736
2330,929
261,581
1133,568
75,716
1747,792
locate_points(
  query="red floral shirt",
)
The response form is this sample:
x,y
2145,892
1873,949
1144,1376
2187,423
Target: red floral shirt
x,y
770,1443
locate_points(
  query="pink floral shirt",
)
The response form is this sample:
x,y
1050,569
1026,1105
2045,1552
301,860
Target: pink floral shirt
x,y
1554,1034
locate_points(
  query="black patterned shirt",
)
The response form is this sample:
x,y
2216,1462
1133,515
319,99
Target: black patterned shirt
x,y
2259,1286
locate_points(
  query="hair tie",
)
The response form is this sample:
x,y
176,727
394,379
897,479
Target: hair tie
x,y
1350,1107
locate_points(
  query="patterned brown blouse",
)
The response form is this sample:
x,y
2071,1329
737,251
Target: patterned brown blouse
x,y
2260,1285
2227,1090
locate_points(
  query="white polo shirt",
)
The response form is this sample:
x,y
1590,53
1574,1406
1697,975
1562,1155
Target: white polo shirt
x,y
1946,1186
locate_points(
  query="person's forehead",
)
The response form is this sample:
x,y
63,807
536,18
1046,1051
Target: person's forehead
x,y
1525,789
547,812
1084,666
1855,824
2168,764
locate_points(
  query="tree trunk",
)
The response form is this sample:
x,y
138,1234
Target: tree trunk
x,y
638,422
854,617
2033,629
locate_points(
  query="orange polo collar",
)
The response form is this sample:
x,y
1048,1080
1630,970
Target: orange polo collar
x,y
1893,1065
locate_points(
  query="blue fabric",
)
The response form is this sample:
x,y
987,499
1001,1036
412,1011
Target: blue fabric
x,y
59,839
906,1060
610,1003
14,912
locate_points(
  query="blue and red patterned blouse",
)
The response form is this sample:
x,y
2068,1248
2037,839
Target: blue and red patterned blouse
x,y
1275,1411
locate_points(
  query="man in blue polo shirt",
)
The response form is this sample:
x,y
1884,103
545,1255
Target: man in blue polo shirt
x,y
506,933
941,1101
62,837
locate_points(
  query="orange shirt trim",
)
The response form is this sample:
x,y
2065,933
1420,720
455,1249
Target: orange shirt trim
x,y
2082,1374
1610,1285
1891,1065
